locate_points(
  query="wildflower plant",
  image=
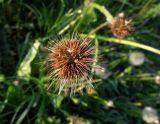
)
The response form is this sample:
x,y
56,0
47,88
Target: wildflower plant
x,y
126,83
120,26
69,63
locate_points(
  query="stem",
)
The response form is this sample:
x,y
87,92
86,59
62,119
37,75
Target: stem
x,y
98,28
126,42
95,56
104,11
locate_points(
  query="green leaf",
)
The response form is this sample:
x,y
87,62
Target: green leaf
x,y
2,77
24,69
58,100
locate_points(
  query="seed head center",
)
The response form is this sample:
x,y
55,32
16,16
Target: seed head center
x,y
71,56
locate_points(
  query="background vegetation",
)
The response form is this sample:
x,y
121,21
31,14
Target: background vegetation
x,y
119,96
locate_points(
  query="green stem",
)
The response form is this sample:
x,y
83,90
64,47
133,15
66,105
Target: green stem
x,y
98,28
104,11
126,42
95,56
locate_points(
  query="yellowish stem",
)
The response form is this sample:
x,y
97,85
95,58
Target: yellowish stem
x,y
104,11
126,42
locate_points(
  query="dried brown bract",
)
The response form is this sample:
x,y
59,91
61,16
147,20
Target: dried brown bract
x,y
120,27
70,62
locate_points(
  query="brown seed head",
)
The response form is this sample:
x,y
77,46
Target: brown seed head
x,y
120,26
70,62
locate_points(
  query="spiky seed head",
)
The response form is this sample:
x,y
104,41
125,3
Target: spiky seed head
x,y
70,62
136,58
157,79
150,115
120,26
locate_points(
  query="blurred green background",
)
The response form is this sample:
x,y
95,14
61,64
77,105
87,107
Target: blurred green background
x,y
122,88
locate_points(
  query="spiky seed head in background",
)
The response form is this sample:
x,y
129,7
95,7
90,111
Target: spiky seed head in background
x,y
136,58
157,79
120,26
69,63
150,115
